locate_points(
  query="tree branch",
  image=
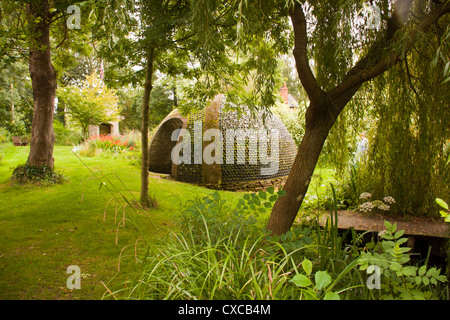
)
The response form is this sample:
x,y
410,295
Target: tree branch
x,y
307,78
375,62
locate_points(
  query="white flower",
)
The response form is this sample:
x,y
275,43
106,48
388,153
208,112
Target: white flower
x,y
384,207
366,207
365,195
389,200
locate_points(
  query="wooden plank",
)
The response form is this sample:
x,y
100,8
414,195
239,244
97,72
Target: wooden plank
x,y
412,225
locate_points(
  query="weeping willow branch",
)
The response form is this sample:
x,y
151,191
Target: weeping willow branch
x,y
364,70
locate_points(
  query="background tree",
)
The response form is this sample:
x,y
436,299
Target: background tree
x,y
161,103
151,33
406,156
16,99
90,104
27,34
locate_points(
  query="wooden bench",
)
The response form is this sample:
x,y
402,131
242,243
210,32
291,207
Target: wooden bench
x,y
17,142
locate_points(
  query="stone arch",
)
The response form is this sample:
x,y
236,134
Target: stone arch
x,y
161,146
105,128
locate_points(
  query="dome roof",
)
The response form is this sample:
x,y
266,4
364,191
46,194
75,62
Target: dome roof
x,y
223,149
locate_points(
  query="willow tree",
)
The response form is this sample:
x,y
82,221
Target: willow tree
x,y
334,54
402,24
407,154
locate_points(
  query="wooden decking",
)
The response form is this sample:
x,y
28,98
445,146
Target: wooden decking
x,y
412,225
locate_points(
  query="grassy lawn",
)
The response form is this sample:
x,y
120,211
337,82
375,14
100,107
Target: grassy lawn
x,y
46,229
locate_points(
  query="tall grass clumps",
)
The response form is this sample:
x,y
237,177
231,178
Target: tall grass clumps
x,y
217,251
224,270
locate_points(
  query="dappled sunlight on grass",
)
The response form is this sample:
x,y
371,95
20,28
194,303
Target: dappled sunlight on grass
x,y
44,229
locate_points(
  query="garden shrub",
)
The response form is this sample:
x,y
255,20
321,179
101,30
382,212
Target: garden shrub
x,y
291,120
4,135
399,280
106,145
64,136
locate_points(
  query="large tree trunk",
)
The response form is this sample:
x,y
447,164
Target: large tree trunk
x,y
145,126
325,107
43,81
286,208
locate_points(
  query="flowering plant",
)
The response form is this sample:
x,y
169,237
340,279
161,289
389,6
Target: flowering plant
x,y
368,206
389,200
365,196
110,143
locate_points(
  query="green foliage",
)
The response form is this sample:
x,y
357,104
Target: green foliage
x,y
444,214
296,238
42,175
92,103
15,94
4,135
17,128
320,289
404,111
410,117
64,136
222,219
217,253
332,249
338,149
292,120
130,102
222,254
400,280
349,186
442,57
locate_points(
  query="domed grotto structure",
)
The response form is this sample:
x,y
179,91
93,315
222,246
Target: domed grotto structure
x,y
222,149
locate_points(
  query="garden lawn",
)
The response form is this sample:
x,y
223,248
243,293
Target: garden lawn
x,y
45,229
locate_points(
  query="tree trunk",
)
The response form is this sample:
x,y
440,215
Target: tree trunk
x,y
12,104
85,132
175,97
43,81
145,124
286,208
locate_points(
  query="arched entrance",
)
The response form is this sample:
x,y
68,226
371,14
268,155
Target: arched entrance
x,y
161,146
105,128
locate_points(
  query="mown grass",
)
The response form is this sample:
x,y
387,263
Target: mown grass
x,y
44,229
